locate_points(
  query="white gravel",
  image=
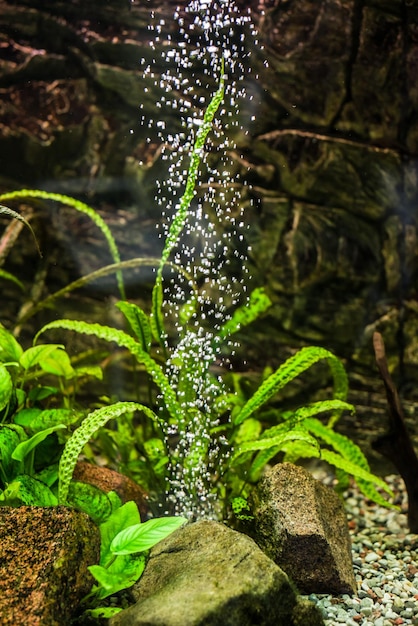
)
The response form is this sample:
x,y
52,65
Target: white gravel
x,y
385,560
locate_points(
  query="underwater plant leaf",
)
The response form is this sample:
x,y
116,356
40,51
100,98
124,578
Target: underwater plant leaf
x,y
57,363
10,349
123,517
258,303
91,500
29,491
107,333
138,321
333,458
141,537
290,369
347,449
296,434
34,355
123,572
179,220
79,206
6,387
4,210
92,422
24,447
12,278
322,406
10,438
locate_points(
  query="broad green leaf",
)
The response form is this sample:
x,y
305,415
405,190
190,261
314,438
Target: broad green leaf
x,y
123,517
123,572
35,419
22,450
58,363
6,387
28,491
32,356
141,537
10,349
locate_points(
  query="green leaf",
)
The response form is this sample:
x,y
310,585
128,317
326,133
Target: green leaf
x,y
22,450
10,438
10,349
103,612
123,517
121,574
351,468
296,434
243,316
141,537
6,387
4,210
289,370
35,419
177,225
28,491
92,422
8,276
79,206
58,363
138,321
107,333
34,355
91,500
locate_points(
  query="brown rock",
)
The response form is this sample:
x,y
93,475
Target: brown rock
x,y
44,555
109,480
301,524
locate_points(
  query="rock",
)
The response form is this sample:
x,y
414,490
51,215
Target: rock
x,y
44,554
301,524
109,480
206,573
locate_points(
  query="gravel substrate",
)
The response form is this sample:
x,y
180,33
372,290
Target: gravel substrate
x,y
385,559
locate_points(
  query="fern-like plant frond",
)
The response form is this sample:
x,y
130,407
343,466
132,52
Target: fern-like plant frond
x,y
92,422
291,369
122,339
79,206
180,217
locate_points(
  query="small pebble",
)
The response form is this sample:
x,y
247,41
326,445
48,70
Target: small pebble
x,y
385,561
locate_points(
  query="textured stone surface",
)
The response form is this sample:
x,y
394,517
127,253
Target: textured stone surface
x,y
44,554
301,525
207,574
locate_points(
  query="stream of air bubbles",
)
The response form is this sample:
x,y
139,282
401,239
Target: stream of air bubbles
x,y
186,69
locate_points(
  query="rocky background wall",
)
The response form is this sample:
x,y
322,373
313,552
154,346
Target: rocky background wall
x,y
329,168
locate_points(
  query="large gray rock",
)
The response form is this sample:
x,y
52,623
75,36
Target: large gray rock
x,y
301,524
207,574
44,555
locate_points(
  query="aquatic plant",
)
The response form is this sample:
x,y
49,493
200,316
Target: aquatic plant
x,y
205,466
